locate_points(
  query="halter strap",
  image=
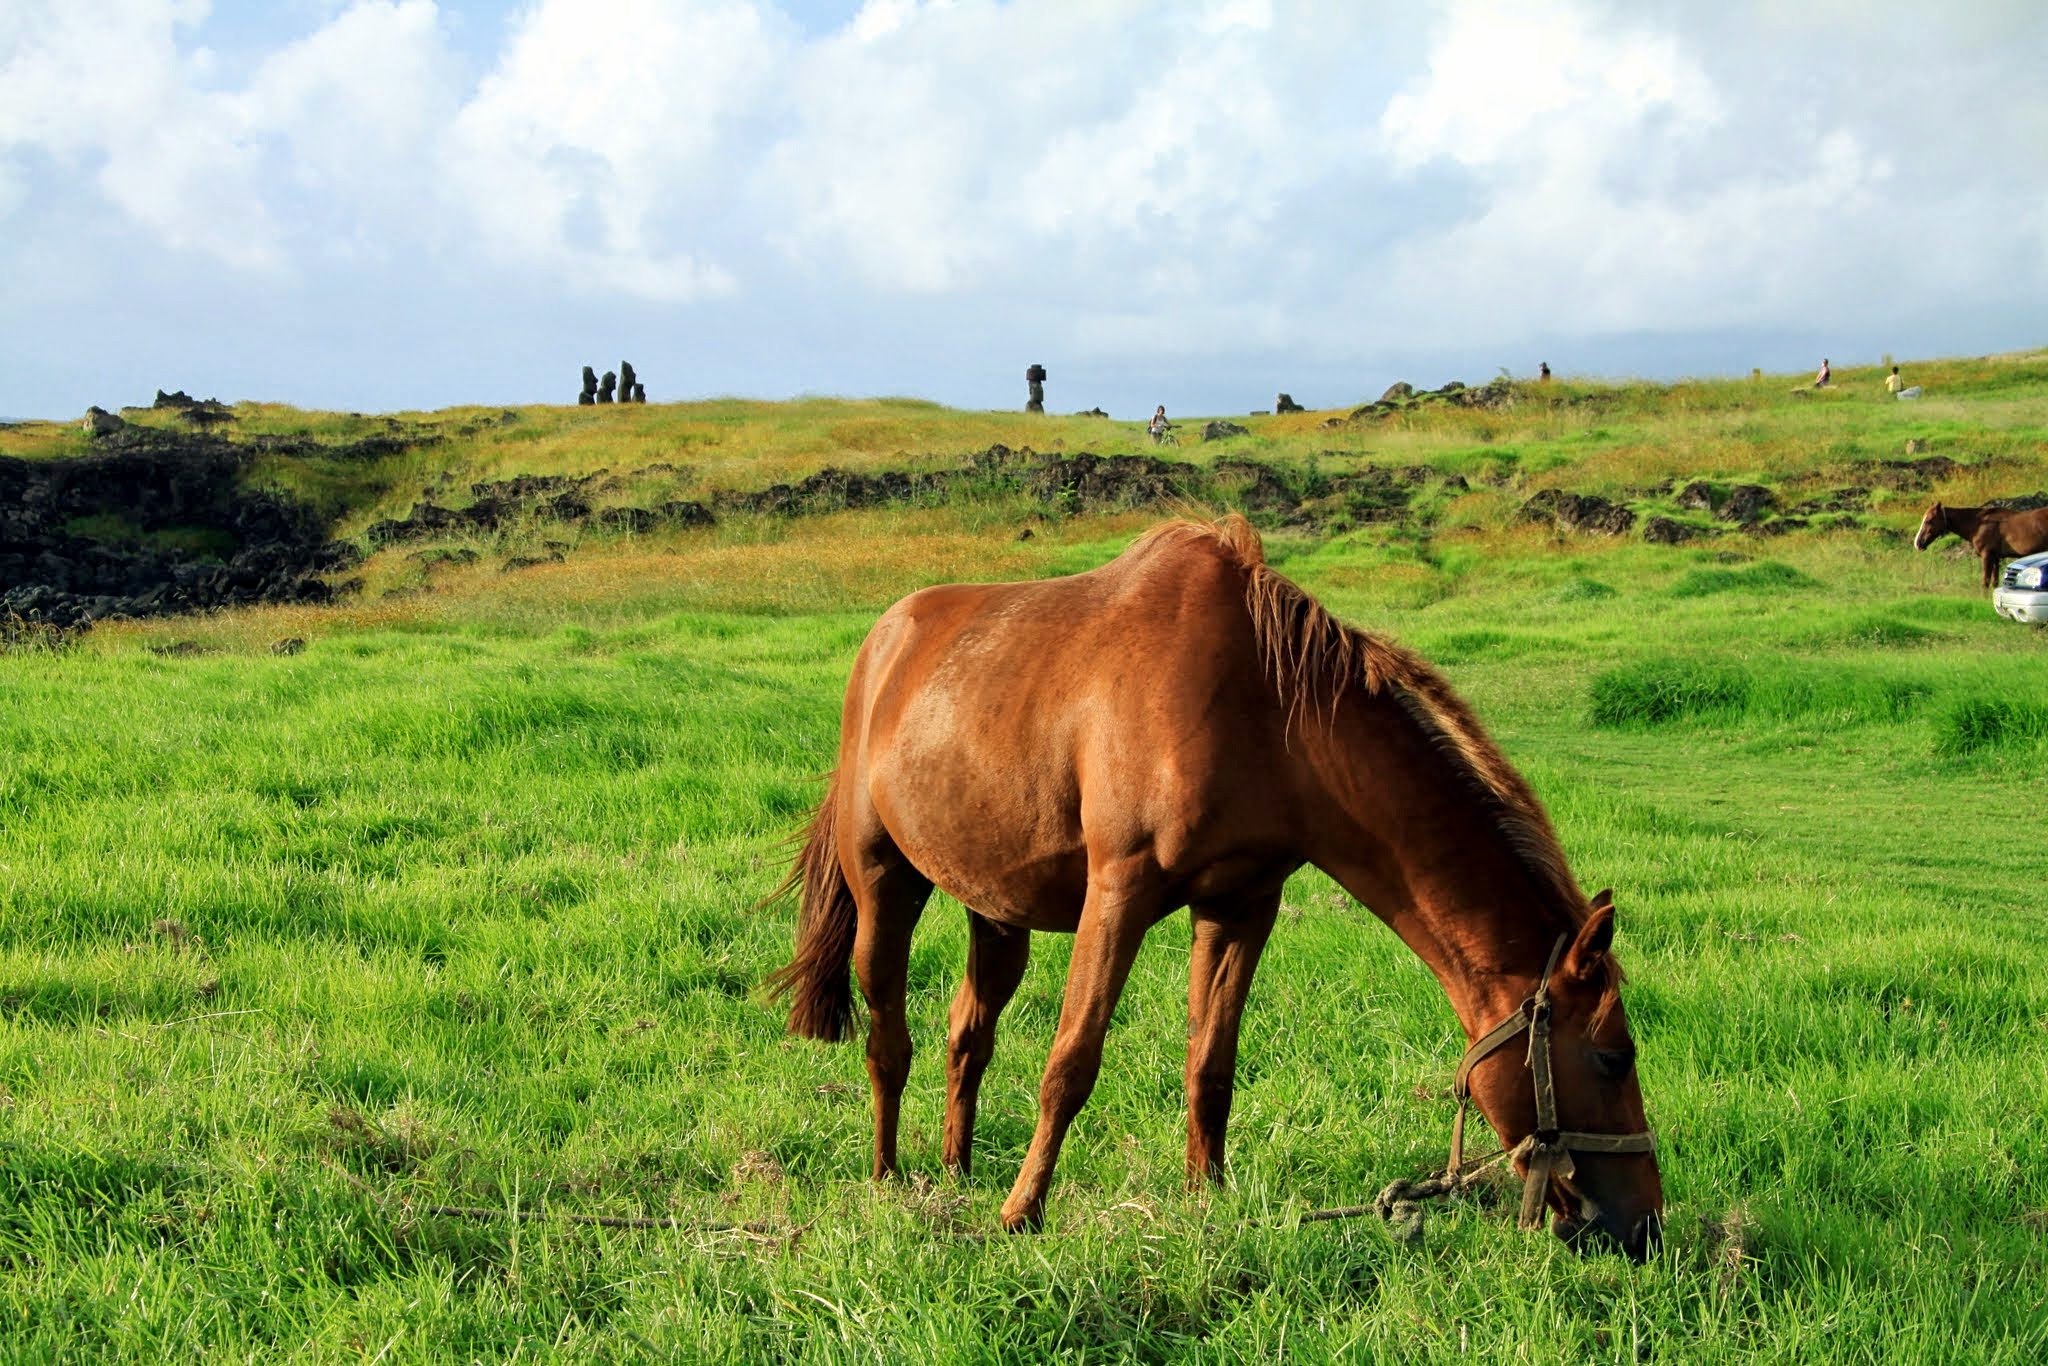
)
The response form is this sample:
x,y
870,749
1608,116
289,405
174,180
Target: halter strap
x,y
1548,1149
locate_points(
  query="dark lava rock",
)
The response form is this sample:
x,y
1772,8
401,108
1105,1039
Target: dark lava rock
x,y
519,562
1664,531
290,645
1777,526
1219,430
1698,496
1746,504
1908,476
1285,404
634,521
1092,483
99,422
526,487
187,536
1255,487
2019,502
687,513
1091,412
1577,512
1397,392
1855,499
1491,396
1455,483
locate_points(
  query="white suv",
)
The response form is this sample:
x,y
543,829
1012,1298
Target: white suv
x,y
2022,591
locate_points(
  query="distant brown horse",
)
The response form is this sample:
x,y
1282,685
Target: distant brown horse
x,y
1997,533
1185,727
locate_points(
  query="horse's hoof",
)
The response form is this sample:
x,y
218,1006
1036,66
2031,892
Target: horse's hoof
x,y
1023,1220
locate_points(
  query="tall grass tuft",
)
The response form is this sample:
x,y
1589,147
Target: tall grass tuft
x,y
1660,691
1976,724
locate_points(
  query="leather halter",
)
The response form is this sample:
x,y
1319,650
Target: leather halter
x,y
1548,1149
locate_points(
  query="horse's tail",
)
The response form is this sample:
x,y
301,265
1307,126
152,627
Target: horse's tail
x,y
816,981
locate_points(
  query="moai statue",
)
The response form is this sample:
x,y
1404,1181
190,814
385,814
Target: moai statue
x,y
589,394
1286,404
625,381
639,393
606,387
1035,377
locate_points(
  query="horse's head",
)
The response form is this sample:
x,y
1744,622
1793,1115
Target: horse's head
x,y
1596,1197
1931,526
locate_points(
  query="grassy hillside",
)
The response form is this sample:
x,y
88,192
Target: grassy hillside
x,y
455,907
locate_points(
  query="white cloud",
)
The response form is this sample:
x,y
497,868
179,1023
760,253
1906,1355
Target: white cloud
x,y
1530,83
1114,123
1619,186
104,88
602,139
355,105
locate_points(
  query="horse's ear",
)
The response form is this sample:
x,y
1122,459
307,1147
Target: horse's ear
x,y
1596,937
1603,897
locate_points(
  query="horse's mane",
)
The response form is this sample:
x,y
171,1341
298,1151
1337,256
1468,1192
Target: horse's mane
x,y
1314,659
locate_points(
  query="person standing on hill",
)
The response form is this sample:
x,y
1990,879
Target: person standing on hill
x,y
1159,424
1543,373
1892,382
1821,380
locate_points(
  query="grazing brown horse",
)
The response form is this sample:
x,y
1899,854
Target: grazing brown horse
x,y
1185,727
1997,533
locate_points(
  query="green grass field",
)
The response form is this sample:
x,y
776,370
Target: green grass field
x,y
457,908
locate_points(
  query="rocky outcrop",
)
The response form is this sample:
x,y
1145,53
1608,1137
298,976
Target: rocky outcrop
x,y
149,524
1219,430
1746,504
501,505
1495,394
1285,404
1577,512
1665,531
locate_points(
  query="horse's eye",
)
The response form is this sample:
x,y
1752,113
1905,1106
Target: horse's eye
x,y
1614,1063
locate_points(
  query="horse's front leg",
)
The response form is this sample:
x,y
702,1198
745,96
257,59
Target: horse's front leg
x,y
996,955
1113,924
1228,939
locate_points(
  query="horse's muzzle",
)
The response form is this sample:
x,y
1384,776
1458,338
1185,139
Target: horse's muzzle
x,y
1597,1234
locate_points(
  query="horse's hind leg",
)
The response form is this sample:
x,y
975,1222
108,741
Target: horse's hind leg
x,y
996,955
891,896
1228,939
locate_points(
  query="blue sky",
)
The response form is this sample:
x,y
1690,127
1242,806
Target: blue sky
x,y
383,204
